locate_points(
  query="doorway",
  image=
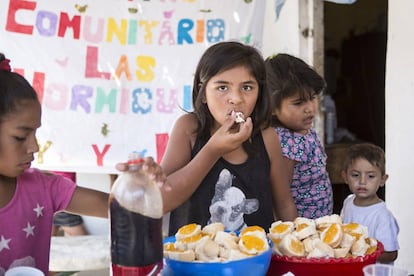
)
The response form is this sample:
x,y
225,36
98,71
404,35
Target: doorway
x,y
355,54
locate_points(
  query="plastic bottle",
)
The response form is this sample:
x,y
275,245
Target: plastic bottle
x,y
136,210
330,118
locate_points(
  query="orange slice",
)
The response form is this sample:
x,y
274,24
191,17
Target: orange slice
x,y
169,246
279,229
253,244
291,246
355,229
187,255
305,230
187,231
254,230
325,221
332,235
373,243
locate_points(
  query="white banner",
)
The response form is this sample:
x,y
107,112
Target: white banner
x,y
113,76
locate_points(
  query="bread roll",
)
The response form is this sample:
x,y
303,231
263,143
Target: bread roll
x,y
347,240
235,254
279,229
332,235
212,228
341,252
325,221
207,251
291,246
321,250
253,244
226,240
359,247
305,230
186,256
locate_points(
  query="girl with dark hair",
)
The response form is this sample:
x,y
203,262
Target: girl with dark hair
x,y
220,170
28,197
295,88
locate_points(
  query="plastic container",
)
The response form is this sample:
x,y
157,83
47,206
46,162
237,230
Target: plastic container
x,y
384,270
299,266
256,265
136,210
24,271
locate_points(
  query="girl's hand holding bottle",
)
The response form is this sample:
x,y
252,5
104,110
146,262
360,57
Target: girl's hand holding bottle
x,y
149,166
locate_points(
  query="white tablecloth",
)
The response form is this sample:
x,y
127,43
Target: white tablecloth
x,y
79,253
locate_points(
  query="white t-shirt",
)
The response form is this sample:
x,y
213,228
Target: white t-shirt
x,y
381,223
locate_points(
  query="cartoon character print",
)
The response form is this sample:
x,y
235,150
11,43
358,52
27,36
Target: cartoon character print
x,y
229,204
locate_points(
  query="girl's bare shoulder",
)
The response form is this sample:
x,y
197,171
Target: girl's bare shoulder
x,y
186,123
269,135
271,141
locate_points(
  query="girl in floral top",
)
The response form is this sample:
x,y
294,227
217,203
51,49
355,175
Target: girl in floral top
x,y
295,89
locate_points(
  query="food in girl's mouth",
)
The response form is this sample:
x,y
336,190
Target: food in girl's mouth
x,y
240,117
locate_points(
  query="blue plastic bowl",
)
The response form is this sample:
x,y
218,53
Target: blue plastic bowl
x,y
257,265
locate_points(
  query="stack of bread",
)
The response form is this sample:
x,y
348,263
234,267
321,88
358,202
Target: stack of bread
x,y
212,244
324,237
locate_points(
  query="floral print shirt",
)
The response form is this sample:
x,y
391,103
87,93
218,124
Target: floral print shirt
x,y
311,188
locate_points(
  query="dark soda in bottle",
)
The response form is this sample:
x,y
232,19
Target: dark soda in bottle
x,y
135,205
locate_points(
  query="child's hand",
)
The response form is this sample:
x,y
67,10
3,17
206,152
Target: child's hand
x,y
149,166
231,135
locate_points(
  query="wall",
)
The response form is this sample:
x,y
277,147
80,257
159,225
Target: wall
x,y
281,35
399,98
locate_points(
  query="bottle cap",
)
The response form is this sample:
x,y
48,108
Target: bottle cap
x,y
135,158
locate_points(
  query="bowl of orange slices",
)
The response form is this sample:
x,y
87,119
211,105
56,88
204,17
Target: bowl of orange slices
x,y
210,250
323,246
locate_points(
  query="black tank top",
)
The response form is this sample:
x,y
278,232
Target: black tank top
x,y
236,195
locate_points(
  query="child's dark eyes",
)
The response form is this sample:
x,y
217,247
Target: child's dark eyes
x,y
301,101
354,175
222,88
19,139
247,87
225,88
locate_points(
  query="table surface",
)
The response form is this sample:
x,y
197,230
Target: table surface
x,y
80,253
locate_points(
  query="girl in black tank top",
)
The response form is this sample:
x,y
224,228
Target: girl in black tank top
x,y
236,195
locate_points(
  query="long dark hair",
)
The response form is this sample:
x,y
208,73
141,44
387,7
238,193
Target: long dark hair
x,y
13,89
221,57
287,75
